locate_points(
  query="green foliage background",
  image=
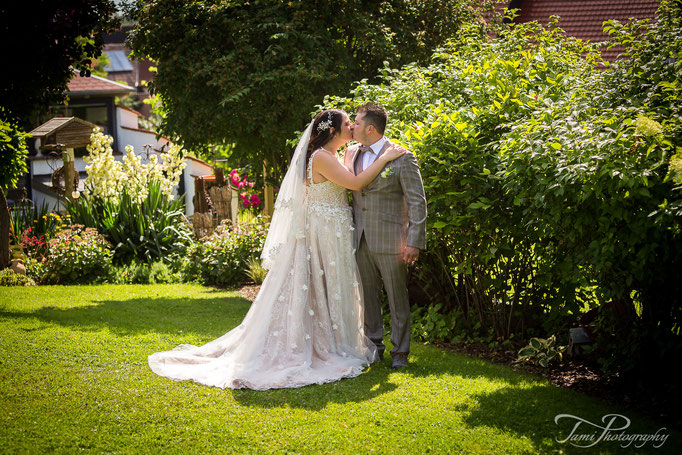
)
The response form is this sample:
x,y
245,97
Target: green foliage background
x,y
250,73
548,183
13,152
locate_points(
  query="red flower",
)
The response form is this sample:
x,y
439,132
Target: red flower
x,y
255,200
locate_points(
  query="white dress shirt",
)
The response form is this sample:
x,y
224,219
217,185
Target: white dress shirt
x,y
369,158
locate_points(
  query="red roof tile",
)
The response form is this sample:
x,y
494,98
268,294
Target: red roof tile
x,y
96,85
585,18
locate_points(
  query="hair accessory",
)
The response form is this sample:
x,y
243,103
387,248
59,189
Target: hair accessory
x,y
323,126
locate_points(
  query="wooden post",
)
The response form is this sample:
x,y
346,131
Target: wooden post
x,y
219,177
200,203
234,204
69,173
268,194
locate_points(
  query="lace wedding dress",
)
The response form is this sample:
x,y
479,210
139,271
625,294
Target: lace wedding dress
x,y
306,324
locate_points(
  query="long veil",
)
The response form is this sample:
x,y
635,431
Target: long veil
x,y
288,219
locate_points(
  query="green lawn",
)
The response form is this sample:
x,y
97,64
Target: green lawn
x,y
74,376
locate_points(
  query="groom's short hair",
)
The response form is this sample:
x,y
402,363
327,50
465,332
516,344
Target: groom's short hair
x,y
374,115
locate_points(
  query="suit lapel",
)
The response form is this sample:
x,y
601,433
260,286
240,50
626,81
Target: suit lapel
x,y
385,147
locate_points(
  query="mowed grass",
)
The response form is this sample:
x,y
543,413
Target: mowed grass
x,y
74,377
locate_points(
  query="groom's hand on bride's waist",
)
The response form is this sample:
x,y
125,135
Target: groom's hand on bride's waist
x,y
410,254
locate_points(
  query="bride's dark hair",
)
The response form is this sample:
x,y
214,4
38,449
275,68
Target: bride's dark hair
x,y
322,130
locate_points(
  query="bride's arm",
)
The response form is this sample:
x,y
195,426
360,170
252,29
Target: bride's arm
x,y
331,169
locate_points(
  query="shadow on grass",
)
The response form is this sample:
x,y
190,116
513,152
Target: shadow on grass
x,y
428,363
369,385
531,412
205,317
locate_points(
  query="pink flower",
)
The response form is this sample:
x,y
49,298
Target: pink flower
x,y
251,184
246,203
234,178
241,185
255,200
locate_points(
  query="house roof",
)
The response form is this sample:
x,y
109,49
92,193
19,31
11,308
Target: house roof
x,y
584,19
95,85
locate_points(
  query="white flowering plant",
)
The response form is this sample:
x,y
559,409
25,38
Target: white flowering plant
x,y
132,202
107,177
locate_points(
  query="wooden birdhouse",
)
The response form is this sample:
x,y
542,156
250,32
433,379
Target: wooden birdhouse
x,y
62,135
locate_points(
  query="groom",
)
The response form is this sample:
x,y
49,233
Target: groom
x,y
390,229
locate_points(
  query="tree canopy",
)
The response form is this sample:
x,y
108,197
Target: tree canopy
x,y
251,73
43,41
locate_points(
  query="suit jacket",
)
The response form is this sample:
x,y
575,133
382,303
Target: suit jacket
x,y
391,210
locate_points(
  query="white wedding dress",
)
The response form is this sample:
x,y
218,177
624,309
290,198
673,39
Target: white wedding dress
x,y
306,324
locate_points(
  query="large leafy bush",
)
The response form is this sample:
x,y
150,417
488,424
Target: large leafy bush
x,y
550,182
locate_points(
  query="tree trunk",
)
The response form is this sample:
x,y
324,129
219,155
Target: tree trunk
x,y
4,231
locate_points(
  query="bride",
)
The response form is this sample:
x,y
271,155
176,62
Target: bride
x,y
306,324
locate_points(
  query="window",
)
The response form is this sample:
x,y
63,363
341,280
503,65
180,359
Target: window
x,y
93,113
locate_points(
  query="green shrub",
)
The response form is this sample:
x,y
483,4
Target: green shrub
x,y
431,324
10,278
222,257
78,255
484,255
35,268
13,151
142,273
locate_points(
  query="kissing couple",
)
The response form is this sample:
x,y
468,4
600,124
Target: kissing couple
x,y
317,317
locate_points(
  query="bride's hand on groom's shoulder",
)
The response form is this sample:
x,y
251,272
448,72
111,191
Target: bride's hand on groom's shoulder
x,y
394,151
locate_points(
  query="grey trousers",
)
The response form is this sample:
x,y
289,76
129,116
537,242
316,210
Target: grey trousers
x,y
388,271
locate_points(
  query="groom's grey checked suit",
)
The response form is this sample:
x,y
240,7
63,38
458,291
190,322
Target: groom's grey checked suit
x,y
389,214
